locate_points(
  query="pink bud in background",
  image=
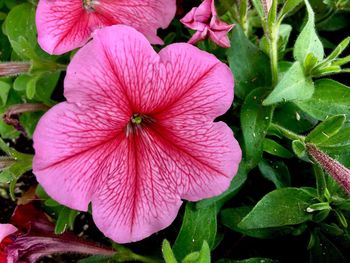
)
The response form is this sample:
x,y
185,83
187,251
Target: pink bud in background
x,y
206,22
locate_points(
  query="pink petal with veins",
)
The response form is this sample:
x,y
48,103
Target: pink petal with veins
x,y
136,134
65,24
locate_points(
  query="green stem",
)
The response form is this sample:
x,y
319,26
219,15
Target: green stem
x,y
274,55
320,181
287,133
243,12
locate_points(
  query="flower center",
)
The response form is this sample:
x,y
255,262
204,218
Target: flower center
x,y
89,5
136,119
137,123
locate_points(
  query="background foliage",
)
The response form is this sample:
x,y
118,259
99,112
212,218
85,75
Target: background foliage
x,y
291,77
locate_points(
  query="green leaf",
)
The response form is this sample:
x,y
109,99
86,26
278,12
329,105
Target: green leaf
x,y
204,254
326,129
6,176
341,141
250,66
293,86
324,251
330,98
276,172
168,254
255,121
289,116
299,148
4,91
288,7
231,217
274,148
281,207
259,8
308,41
21,30
65,219
236,184
197,225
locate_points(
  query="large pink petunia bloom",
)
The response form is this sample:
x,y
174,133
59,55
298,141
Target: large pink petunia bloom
x,y
136,134
206,22
64,25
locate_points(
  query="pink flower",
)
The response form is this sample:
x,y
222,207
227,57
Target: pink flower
x,y
205,20
64,25
136,134
34,238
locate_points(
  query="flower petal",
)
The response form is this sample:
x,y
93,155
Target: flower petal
x,y
6,230
144,15
197,82
64,25
71,146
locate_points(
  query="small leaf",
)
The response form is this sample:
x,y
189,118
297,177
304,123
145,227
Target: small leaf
x,y
318,207
288,7
274,148
281,207
204,254
197,225
326,129
4,91
299,148
308,41
255,121
250,66
65,220
330,98
168,254
293,86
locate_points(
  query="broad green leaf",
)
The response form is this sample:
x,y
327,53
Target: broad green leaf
x,y
274,148
197,225
231,217
289,116
236,184
340,141
330,98
308,41
255,120
21,30
276,172
281,207
324,251
250,66
325,130
168,254
293,86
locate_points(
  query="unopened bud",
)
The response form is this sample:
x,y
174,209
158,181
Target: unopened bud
x,y
335,169
14,68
